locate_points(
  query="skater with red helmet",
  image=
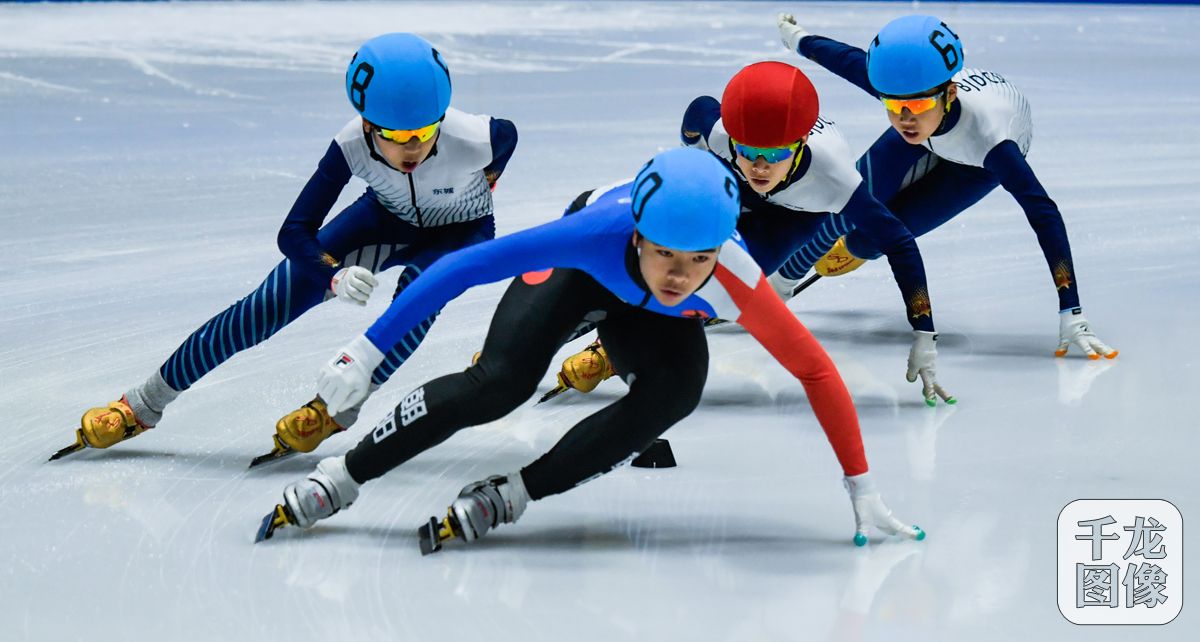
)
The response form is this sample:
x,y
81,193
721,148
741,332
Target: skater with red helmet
x,y
797,179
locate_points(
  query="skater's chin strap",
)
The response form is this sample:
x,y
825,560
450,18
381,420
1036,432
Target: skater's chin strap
x,y
950,119
634,269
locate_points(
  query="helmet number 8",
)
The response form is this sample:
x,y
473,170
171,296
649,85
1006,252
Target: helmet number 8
x,y
358,86
949,53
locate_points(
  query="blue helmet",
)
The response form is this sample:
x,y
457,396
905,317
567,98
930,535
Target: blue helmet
x,y
912,55
686,199
398,81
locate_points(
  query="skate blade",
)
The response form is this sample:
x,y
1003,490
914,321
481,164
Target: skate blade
x,y
280,451
434,533
554,392
79,445
807,282
277,518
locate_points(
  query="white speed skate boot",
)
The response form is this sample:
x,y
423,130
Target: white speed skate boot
x,y
479,507
325,491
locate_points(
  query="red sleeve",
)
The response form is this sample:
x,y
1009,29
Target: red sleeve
x,y
766,317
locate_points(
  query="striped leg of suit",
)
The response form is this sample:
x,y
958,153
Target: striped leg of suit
x,y
282,297
800,262
408,344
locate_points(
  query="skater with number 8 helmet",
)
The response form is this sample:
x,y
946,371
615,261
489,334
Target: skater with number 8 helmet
x,y
796,175
647,260
956,134
429,170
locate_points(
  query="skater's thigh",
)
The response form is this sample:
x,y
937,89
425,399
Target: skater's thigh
x,y
665,361
662,358
363,223
773,236
944,193
536,315
431,244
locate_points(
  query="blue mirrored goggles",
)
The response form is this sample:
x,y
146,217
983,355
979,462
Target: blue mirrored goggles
x,y
769,154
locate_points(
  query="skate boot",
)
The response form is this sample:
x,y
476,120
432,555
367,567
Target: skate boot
x,y
838,260
303,429
480,507
137,411
325,491
582,371
103,427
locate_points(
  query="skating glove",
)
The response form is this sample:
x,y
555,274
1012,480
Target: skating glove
x,y
346,379
790,32
921,362
353,284
869,510
1073,328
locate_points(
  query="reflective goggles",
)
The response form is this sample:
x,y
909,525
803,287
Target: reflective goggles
x,y
918,105
402,136
769,154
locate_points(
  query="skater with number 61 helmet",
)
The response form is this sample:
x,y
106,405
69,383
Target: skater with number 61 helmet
x,y
429,170
957,133
647,261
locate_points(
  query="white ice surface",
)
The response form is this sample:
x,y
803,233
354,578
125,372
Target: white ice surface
x,y
148,154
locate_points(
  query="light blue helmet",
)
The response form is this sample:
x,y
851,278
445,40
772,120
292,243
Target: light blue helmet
x,y
686,199
912,55
398,81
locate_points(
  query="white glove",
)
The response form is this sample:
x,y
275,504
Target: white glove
x,y
783,286
921,361
345,381
1073,328
353,284
790,33
869,509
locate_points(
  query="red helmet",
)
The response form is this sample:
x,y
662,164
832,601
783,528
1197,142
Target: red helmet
x,y
769,104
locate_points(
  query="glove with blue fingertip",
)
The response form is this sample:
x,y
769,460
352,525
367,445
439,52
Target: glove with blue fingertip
x,y
869,510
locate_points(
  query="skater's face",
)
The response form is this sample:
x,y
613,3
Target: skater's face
x,y
672,275
916,128
763,175
404,156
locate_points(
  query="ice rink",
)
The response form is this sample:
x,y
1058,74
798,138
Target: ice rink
x,y
149,153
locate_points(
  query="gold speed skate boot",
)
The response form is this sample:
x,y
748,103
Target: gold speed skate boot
x,y
838,260
103,427
582,371
301,431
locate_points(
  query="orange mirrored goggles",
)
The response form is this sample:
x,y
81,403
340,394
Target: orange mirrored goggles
x,y
918,105
402,136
